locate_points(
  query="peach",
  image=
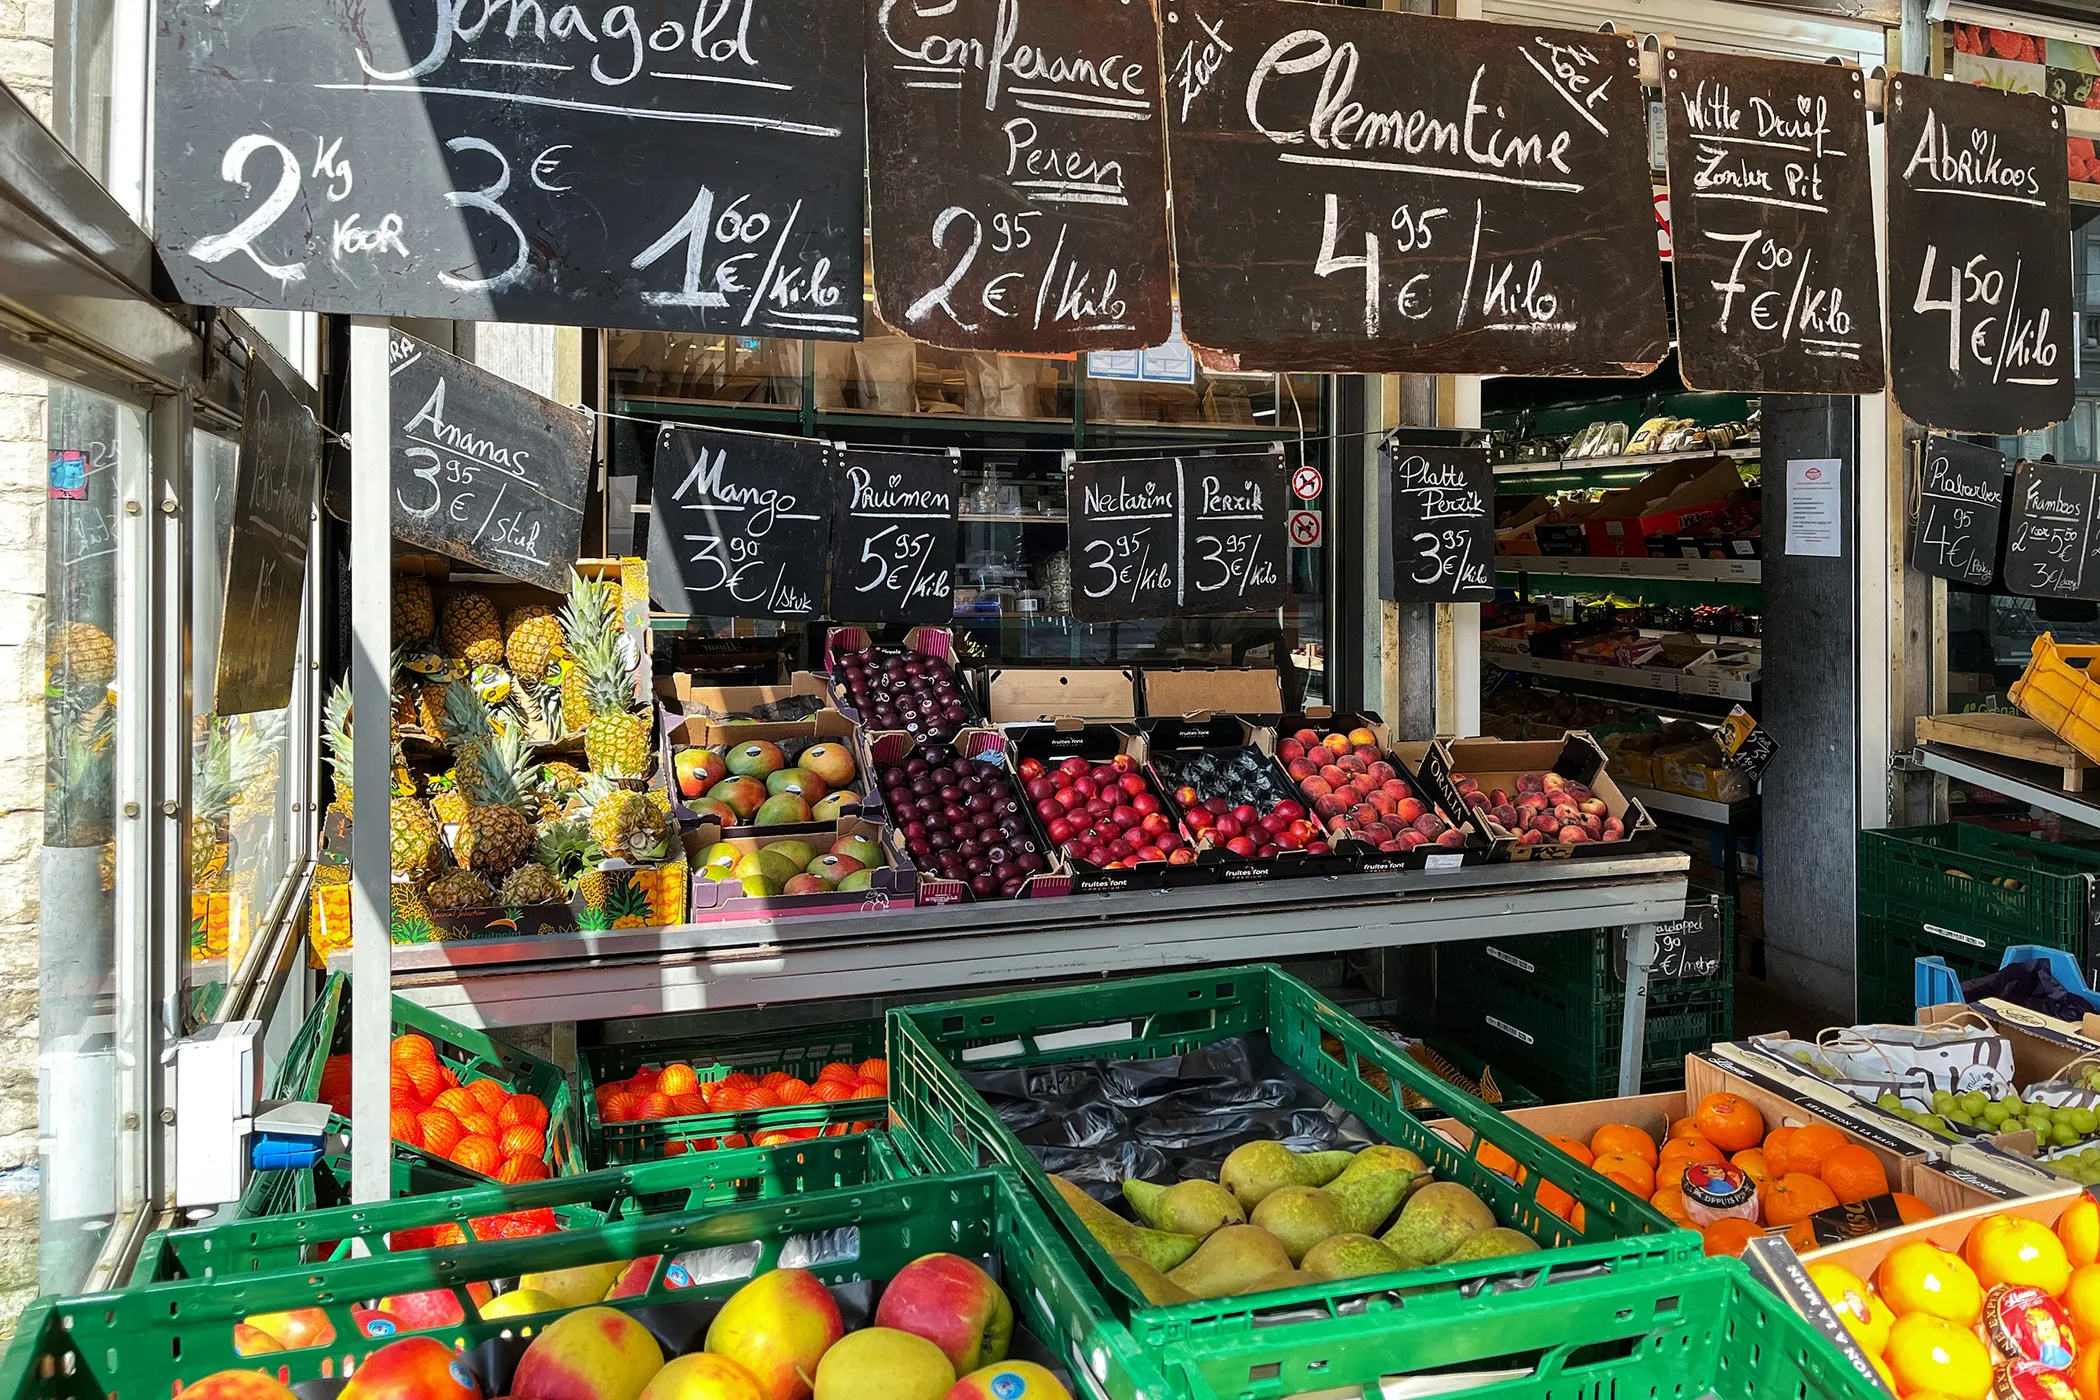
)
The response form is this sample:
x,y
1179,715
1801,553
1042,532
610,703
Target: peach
x,y
594,1353
1315,786
1300,770
1430,824
1499,798
1009,1380
239,1385
1363,738
1385,802
1335,776
1309,738
1364,783
1410,838
1451,837
952,1303
1330,806
1464,783
1477,800
1349,763
1531,838
778,1327
1290,749
1377,833
1409,808
1593,804
704,1376
1573,835
1364,814
1578,791
1552,782
1369,754
1396,786
1529,782
414,1368
1384,772
1337,743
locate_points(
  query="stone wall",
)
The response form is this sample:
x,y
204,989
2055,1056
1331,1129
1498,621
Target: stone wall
x,y
25,66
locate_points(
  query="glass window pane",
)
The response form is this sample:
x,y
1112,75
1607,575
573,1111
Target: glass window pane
x,y
748,370
78,101
82,1030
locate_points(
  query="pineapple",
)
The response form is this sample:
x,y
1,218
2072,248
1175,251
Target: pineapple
x,y
496,833
213,786
558,784
532,883
566,849
335,735
625,823
446,800
532,642
616,740
459,889
414,613
79,655
413,839
463,724
467,627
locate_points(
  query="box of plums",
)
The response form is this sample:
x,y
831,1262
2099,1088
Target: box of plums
x,y
958,817
1095,801
1543,799
1224,786
1366,794
912,686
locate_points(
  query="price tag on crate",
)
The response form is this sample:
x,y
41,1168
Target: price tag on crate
x,y
1745,743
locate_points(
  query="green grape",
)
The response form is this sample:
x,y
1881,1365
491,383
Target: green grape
x,y
2084,1120
1890,1102
1995,1115
2011,1103
1974,1102
2041,1111
2063,1135
1941,1100
1957,1116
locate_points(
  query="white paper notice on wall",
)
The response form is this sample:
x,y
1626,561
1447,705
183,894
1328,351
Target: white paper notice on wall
x,y
1815,506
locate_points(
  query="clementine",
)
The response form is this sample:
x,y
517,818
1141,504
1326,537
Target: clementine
x,y
2014,1250
1926,1352
440,1130
523,1109
773,1079
1574,1147
424,1075
1680,1127
833,1090
1498,1161
876,1069
792,1091
1730,1121
406,1048
1775,1150
522,1141
402,1127
478,1124
478,1154
872,1089
1795,1196
653,1106
1621,1137
686,1104
1920,1277
2085,1373
1809,1145
1670,1202
1729,1234
1752,1161
489,1093
677,1079
618,1106
1552,1198
2079,1228
522,1168
840,1071
2082,1301
1911,1208
1629,1171
1853,1174
1865,1316
456,1101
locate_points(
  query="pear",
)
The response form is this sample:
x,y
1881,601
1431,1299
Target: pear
x,y
1281,1278
1349,1256
1229,1260
1256,1168
1186,1208
1493,1243
1159,1290
1302,1216
1435,1222
1118,1236
1380,1157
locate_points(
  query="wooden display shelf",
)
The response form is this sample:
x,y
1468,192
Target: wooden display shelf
x,y
2008,736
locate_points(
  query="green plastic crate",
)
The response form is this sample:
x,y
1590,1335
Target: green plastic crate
x,y
1622,1236
1887,948
1514,1095
1584,962
1715,1332
471,1054
801,1053
146,1343
679,1184
1989,885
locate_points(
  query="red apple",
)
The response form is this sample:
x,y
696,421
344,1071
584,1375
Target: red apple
x,y
778,1326
414,1368
436,1307
952,1303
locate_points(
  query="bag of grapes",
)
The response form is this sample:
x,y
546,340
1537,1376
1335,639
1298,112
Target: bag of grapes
x,y
1916,1062
2076,1085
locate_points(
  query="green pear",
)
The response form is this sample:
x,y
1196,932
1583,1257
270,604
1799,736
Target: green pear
x,y
1349,1256
1229,1260
1435,1221
1280,1278
1194,1207
1118,1236
1493,1243
1302,1216
1380,1157
1159,1290
1256,1168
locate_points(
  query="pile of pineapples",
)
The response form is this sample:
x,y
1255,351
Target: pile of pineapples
x,y
497,693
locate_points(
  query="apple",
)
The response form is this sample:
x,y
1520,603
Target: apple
x,y
777,1327
253,1341
595,1353
414,1368
435,1307
702,1376
295,1330
239,1385
883,1363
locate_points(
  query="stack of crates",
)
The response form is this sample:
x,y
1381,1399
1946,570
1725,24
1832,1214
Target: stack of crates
x,y
1965,893
1551,1006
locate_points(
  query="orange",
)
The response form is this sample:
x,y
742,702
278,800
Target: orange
x,y
876,1070
761,1097
2079,1228
1730,1121
522,1141
1671,1172
1795,1196
400,1092
2015,1250
1853,1174
424,1075
653,1106
1775,1150
1573,1147
407,1048
688,1103
792,1091
402,1127
618,1106
478,1124
1802,1236
1628,1170
1729,1234
489,1094
1930,1353
1809,1145
2085,1373
872,1089
1552,1198
456,1101
737,1079
1620,1137
446,1077
1888,1379
775,1079
2082,1301
1920,1277
1865,1316
1683,1127
677,1079
521,1168
643,1081
478,1154
1752,1161
523,1108
832,1090
440,1130
1911,1208
1498,1161
1670,1202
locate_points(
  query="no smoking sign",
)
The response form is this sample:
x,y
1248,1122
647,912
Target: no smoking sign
x,y
1306,528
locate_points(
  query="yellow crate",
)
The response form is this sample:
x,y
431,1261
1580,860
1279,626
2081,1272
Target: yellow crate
x,y
2059,692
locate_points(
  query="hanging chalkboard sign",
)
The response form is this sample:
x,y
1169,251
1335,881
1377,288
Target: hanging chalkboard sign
x,y
893,539
1686,949
1170,536
740,524
1018,174
484,470
1441,502
2049,544
1979,257
1961,488
1772,225
278,472
695,170
1366,191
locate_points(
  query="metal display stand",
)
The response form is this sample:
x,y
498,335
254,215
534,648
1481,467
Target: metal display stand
x,y
2035,784
698,967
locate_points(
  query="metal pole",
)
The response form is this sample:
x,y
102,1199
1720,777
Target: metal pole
x,y
371,864
1633,1036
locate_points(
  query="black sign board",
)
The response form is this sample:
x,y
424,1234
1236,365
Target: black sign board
x,y
1384,192
1686,949
485,470
278,473
740,524
1961,488
1441,502
1018,174
1979,257
697,169
1772,225
2049,542
1171,536
1745,744
894,537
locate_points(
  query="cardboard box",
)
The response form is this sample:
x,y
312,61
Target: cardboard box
x,y
1196,690
682,732
1496,763
1688,502
1950,1232
1516,532
1173,742
1566,535
1014,696
994,750
891,886
722,702
1053,743
1322,721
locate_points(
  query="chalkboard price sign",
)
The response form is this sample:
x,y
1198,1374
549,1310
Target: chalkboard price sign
x,y
1979,257
1772,225
1961,490
1686,949
1442,508
1174,536
483,469
696,169
1360,191
2049,544
277,474
1018,173
740,524
894,537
